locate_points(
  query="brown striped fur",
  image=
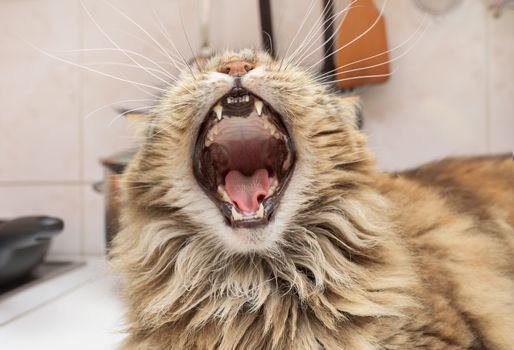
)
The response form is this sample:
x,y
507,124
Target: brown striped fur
x,y
353,259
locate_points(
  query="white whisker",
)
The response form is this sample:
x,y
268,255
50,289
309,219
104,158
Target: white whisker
x,y
364,76
330,22
187,40
120,115
142,30
97,25
381,53
167,36
309,37
90,69
382,63
118,102
354,39
130,52
309,10
175,61
120,64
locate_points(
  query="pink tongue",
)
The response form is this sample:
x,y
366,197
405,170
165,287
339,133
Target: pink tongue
x,y
246,191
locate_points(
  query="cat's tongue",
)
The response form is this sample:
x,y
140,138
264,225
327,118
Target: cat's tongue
x,y
245,191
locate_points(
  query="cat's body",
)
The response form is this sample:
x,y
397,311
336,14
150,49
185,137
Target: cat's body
x,y
351,258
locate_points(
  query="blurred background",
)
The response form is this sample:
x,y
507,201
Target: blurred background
x,y
451,91
451,94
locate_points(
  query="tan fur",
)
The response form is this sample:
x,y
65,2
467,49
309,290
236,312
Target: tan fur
x,y
353,259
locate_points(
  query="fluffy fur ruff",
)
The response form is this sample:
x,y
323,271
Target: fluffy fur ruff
x,y
354,259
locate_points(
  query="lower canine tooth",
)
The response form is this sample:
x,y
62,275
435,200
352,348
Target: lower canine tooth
x,y
236,215
218,110
258,106
260,212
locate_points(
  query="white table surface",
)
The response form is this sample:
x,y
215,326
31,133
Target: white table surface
x,y
76,310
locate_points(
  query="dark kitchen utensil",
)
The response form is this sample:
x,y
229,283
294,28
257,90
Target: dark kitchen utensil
x,y
24,243
110,187
266,26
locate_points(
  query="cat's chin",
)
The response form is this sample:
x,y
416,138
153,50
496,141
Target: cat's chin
x,y
250,240
243,160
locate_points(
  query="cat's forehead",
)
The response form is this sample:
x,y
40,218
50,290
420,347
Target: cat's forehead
x,y
247,55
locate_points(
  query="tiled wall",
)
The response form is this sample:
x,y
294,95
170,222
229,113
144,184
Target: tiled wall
x,y
452,93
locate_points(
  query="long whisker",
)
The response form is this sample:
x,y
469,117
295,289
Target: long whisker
x,y
362,77
187,40
354,39
383,52
120,115
166,35
378,64
97,25
129,65
87,116
309,10
309,37
130,52
142,30
330,22
90,69
175,61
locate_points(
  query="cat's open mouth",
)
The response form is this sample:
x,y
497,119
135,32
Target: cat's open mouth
x,y
244,158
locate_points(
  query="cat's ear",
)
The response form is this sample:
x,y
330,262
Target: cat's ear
x,y
352,108
139,120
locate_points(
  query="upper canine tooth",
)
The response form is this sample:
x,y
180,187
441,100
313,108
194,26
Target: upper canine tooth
x,y
258,106
223,194
218,110
260,212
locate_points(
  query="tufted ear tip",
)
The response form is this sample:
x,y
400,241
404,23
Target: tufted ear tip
x,y
135,116
139,120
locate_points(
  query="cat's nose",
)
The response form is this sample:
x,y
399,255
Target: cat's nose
x,y
236,68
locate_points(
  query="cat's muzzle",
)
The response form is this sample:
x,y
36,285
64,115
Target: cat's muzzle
x,y
244,157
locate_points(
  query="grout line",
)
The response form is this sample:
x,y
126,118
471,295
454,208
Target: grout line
x,y
81,136
488,53
48,183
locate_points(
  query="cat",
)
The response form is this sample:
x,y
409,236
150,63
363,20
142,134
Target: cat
x,y
254,217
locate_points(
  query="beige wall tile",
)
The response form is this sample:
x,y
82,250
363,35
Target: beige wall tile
x,y
59,201
39,130
291,35
235,25
434,105
94,221
104,137
501,88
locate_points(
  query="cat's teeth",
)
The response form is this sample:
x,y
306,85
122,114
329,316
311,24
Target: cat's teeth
x,y
273,187
287,163
237,216
258,106
218,110
260,212
223,194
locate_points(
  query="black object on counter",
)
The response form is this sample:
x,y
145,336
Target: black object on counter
x,y
24,243
114,167
267,26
